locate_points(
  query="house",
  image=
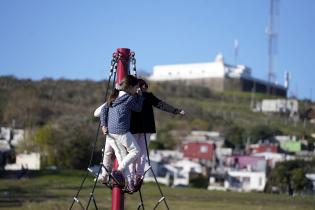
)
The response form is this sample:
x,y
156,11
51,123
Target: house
x,y
246,180
272,158
243,162
9,138
184,170
166,155
158,163
312,178
291,146
171,169
290,106
262,147
242,173
199,150
223,152
29,161
201,145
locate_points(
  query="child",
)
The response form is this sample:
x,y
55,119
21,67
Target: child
x,y
143,125
115,122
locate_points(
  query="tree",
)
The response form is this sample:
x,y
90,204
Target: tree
x,y
164,138
199,124
235,135
290,177
261,132
26,108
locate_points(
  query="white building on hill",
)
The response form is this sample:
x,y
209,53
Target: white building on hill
x,y
216,69
278,105
218,76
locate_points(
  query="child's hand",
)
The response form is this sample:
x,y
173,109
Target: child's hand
x,y
105,130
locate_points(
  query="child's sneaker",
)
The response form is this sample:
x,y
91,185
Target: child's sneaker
x,y
118,178
102,179
138,182
131,186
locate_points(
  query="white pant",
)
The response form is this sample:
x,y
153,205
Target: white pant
x,y
126,151
137,167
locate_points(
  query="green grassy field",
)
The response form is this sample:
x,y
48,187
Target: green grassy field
x,y
53,191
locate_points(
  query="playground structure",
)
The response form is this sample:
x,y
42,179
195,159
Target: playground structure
x,y
120,67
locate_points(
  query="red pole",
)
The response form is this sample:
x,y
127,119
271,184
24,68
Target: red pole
x,y
123,63
122,70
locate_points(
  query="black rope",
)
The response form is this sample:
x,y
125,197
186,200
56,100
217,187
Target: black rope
x,y
141,201
87,173
76,199
156,181
92,193
146,146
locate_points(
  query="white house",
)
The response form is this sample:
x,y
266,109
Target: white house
x,y
246,181
171,169
278,105
29,161
167,155
272,158
183,170
312,178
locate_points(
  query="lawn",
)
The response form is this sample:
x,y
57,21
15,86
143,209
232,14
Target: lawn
x,y
55,190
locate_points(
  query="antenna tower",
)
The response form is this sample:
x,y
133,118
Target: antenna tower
x,y
272,41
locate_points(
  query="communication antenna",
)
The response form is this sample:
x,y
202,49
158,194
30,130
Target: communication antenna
x,y
272,41
287,78
236,48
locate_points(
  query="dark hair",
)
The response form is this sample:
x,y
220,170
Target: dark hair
x,y
125,84
143,82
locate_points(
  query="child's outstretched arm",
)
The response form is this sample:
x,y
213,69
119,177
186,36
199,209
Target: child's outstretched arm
x,y
158,103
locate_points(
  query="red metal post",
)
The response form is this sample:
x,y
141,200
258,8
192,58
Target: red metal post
x,y
122,70
123,63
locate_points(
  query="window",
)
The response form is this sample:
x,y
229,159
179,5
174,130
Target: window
x,y
203,149
246,179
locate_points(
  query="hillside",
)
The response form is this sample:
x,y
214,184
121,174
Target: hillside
x,y
229,111
58,114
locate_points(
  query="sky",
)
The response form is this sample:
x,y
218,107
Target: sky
x,y
75,39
